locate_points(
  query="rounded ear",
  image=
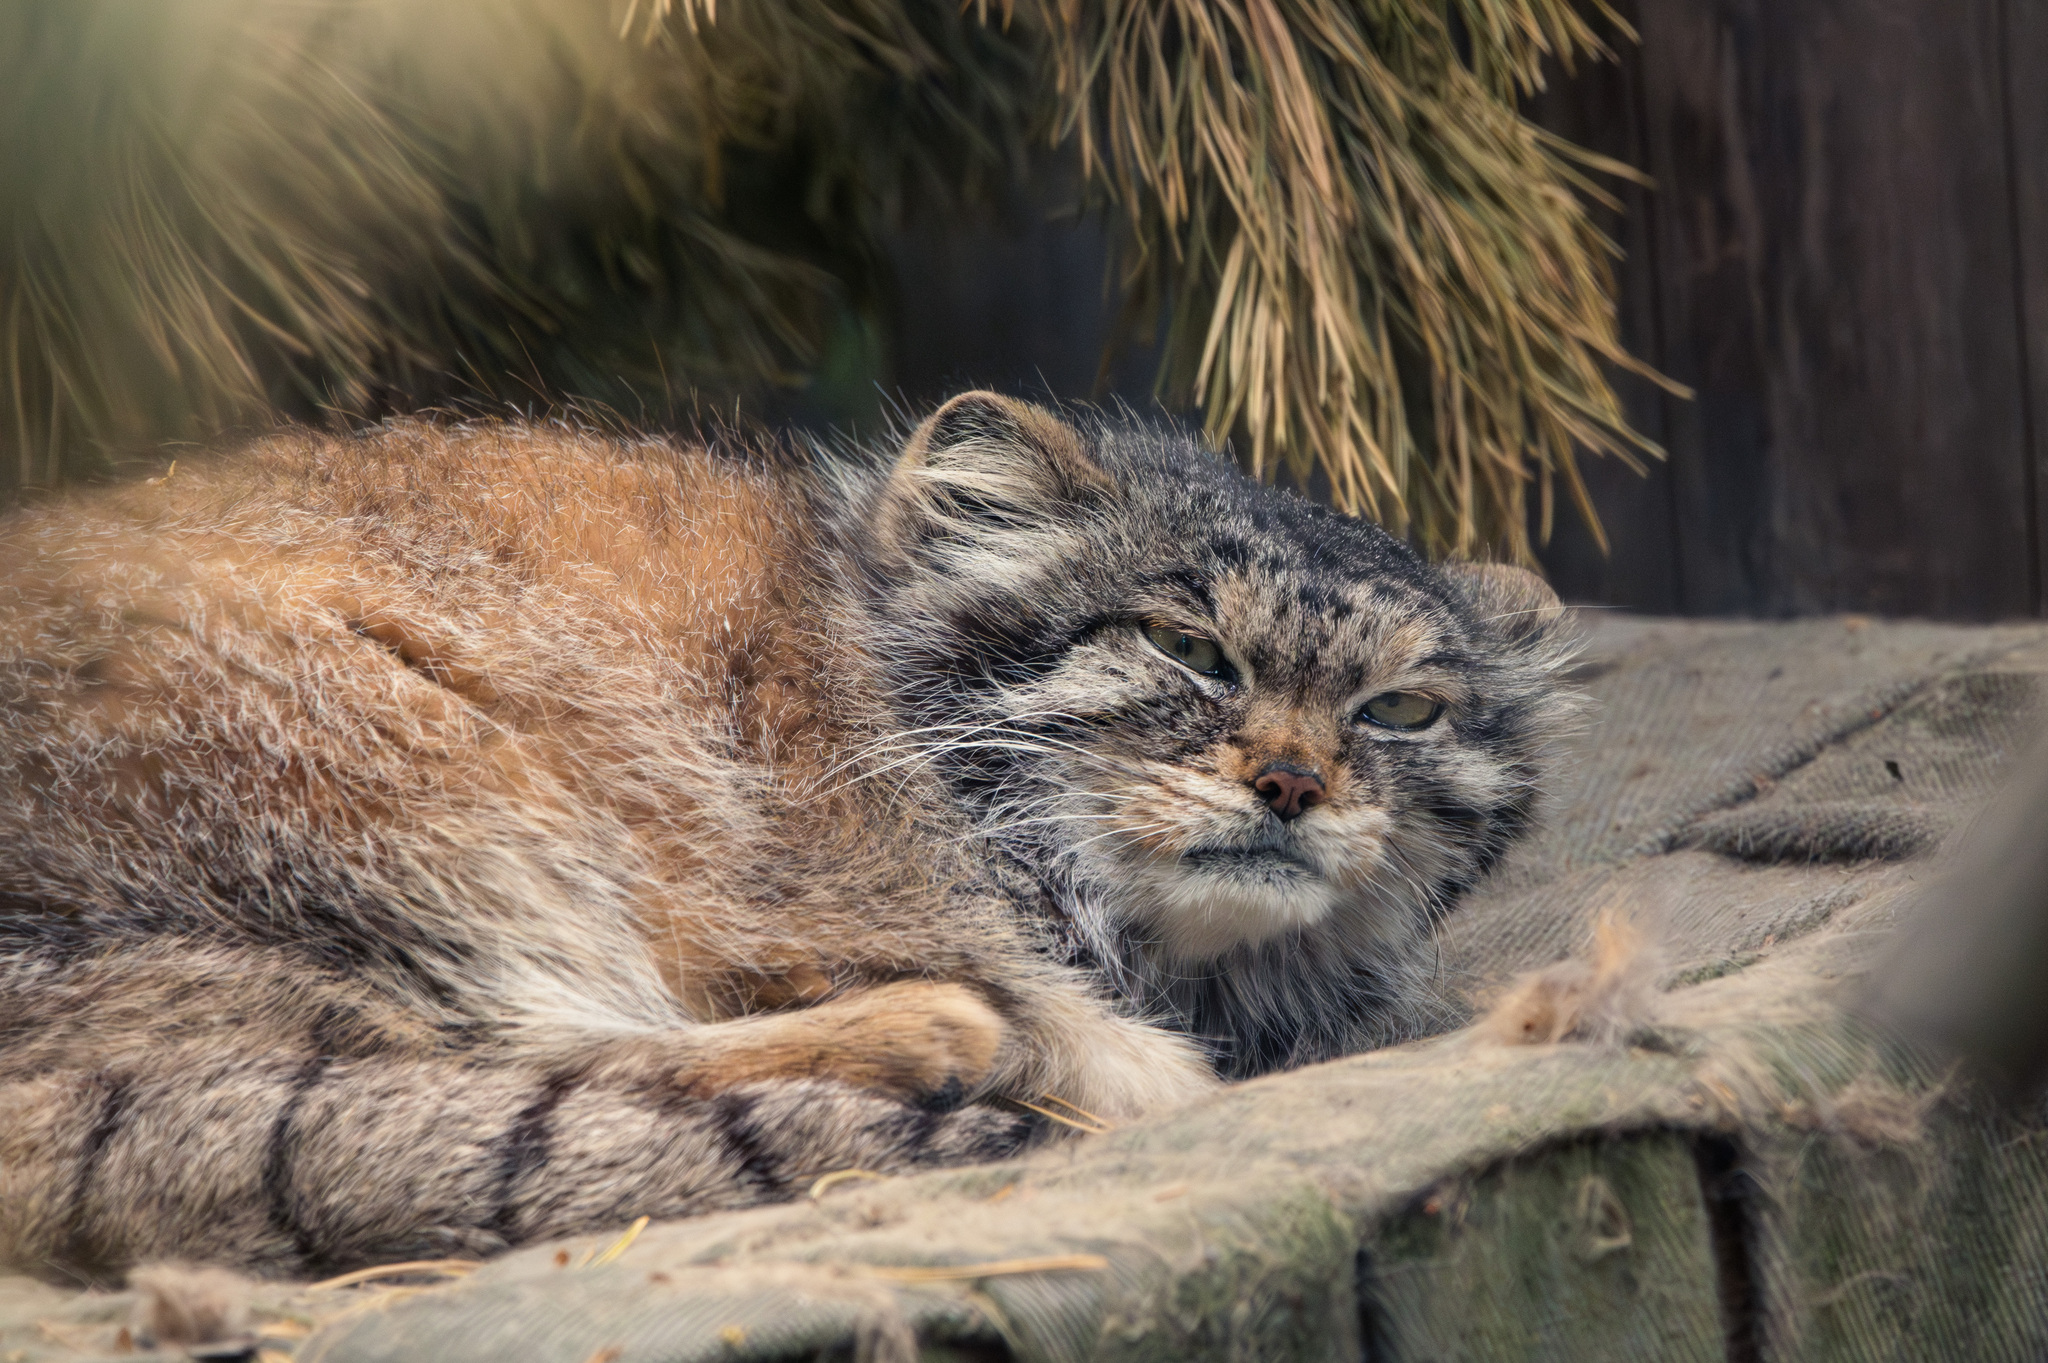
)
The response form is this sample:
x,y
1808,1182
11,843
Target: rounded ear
x,y
983,464
1513,601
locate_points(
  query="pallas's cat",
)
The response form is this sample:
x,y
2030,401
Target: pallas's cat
x,y
435,839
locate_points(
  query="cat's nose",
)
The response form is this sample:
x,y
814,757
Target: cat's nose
x,y
1288,789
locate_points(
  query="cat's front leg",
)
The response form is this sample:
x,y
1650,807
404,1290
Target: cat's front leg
x,y
920,1040
1027,1035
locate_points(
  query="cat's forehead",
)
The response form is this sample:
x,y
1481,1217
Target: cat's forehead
x,y
1293,588
1297,626
1297,606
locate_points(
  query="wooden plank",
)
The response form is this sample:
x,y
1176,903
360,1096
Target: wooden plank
x,y
1836,281
1600,107
1014,297
2025,50
1904,1249
1588,1249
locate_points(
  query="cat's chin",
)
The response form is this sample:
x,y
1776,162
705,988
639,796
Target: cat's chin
x,y
1209,903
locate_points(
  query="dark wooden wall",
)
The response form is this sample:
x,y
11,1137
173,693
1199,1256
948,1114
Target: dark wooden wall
x,y
1014,298
1846,257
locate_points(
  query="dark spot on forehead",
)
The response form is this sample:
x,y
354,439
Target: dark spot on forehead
x,y
1183,581
1228,550
1321,598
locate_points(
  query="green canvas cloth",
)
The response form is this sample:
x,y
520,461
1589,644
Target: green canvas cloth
x,y
1749,1172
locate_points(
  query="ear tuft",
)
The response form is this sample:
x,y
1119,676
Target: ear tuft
x,y
986,463
1512,601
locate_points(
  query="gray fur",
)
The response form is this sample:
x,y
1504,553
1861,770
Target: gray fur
x,y
432,841
1010,640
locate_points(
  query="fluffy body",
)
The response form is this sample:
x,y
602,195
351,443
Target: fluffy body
x,y
445,837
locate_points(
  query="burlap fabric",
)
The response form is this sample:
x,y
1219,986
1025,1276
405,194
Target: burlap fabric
x,y
1750,1173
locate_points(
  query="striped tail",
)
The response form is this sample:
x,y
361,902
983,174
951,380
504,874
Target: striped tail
x,y
310,1166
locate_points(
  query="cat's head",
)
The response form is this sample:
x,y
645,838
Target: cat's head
x,y
1214,712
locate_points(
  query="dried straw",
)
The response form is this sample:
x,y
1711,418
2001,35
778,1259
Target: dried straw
x,y
437,1268
1377,270
1091,1128
1001,1268
826,1182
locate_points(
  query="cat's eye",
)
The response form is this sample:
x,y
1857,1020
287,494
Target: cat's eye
x,y
1401,710
1190,649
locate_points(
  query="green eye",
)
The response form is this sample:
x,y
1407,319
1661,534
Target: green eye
x,y
1401,710
1192,649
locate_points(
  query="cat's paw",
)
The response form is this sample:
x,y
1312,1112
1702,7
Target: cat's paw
x,y
933,1042
1118,1069
915,1040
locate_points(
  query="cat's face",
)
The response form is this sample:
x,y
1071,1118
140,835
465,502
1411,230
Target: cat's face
x,y
1218,712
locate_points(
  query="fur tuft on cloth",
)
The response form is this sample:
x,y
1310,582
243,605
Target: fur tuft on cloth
x,y
182,1305
1600,997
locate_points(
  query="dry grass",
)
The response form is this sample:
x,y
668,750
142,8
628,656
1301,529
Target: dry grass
x,y
1002,1268
1377,268
1600,997
1369,264
415,1268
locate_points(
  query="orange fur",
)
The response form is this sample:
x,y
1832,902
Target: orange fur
x,y
1600,998
432,625
436,838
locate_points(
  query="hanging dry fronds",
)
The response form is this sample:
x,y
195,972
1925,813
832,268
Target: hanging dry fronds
x,y
1374,268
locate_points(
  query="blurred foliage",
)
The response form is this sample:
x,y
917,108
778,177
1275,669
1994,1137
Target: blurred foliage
x,y
219,212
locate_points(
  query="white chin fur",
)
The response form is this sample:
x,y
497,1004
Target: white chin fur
x,y
1203,911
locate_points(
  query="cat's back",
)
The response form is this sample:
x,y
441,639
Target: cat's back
x,y
484,557
504,664
521,573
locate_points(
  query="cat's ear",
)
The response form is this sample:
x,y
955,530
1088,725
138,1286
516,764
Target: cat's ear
x,y
1512,601
983,465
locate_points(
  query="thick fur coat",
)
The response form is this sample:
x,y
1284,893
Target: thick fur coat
x,y
427,841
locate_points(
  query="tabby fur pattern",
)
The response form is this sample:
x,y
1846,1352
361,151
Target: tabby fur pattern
x,y
422,842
